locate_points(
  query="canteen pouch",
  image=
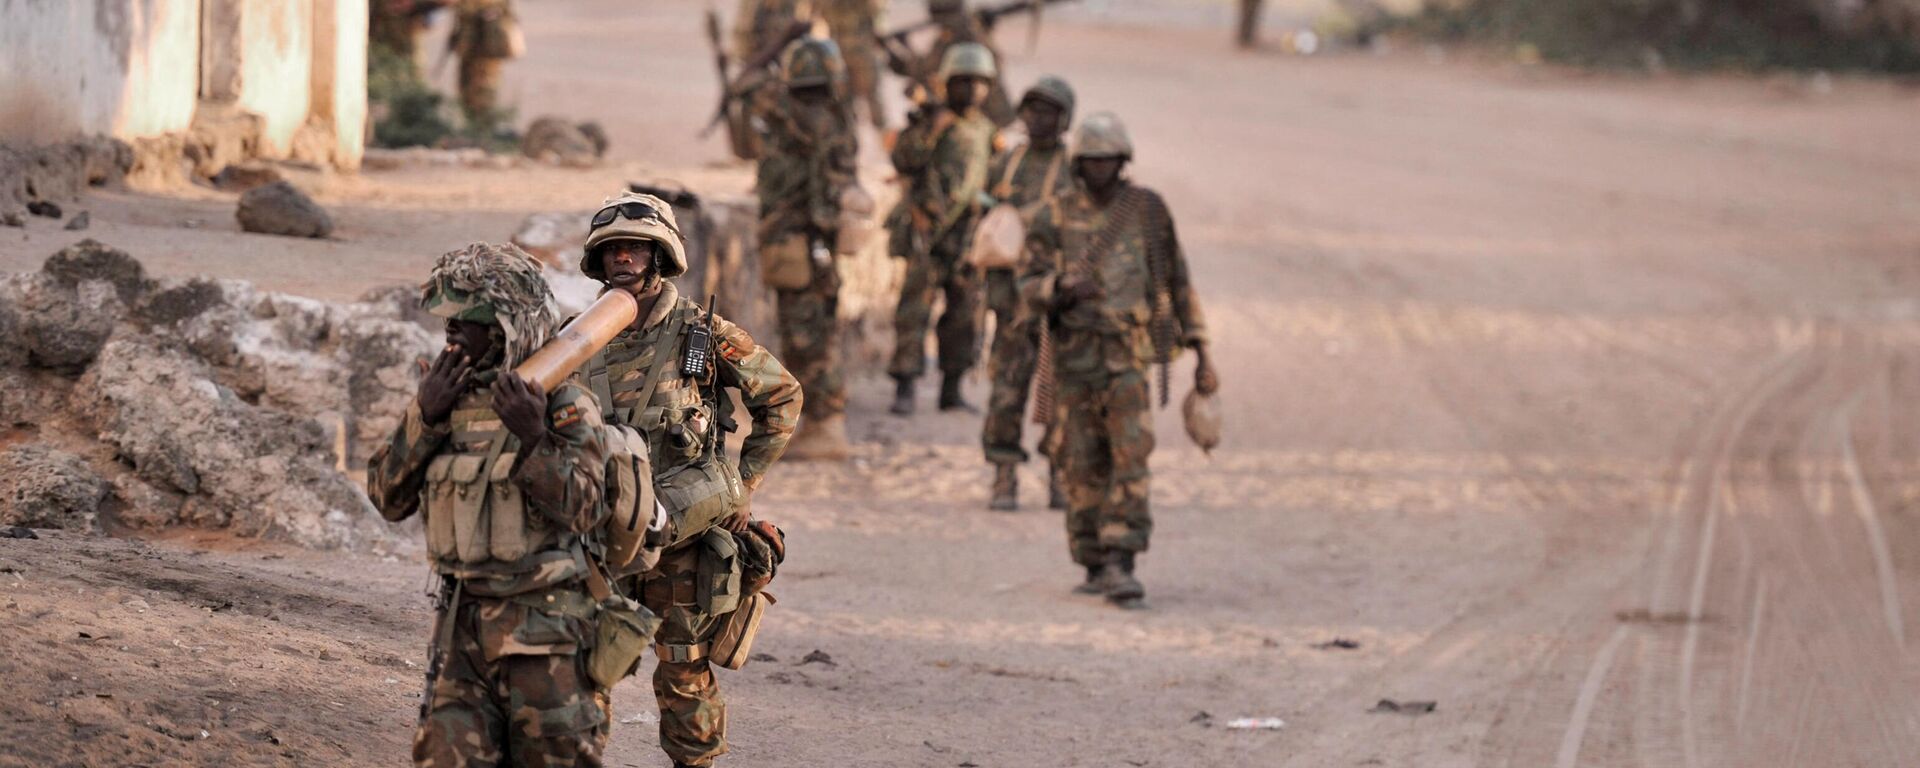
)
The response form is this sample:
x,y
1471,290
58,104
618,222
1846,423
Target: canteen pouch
x,y
733,641
471,531
623,632
697,496
785,264
439,495
717,584
508,513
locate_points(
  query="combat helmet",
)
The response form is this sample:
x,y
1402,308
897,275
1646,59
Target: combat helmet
x,y
1055,91
499,285
1102,135
812,61
968,59
634,216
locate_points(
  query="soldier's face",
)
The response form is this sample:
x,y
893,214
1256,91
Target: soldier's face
x,y
472,338
1042,120
964,91
1099,172
626,262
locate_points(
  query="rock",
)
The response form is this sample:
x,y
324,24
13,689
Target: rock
x,y
93,260
245,176
44,209
80,221
144,506
553,238
597,135
17,532
280,209
31,398
13,219
554,140
45,488
67,310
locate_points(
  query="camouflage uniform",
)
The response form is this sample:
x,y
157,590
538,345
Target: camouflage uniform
x,y
808,157
693,715
853,24
956,28
481,39
512,684
944,157
1015,335
397,26
1102,349
758,24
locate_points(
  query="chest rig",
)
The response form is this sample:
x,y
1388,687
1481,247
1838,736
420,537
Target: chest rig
x,y
474,512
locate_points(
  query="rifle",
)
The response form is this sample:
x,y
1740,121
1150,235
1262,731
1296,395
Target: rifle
x,y
986,15
759,60
719,46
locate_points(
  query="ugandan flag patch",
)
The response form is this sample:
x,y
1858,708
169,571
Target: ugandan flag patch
x,y
736,346
566,416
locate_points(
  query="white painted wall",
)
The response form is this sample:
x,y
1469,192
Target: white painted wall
x,y
128,68
340,75
276,67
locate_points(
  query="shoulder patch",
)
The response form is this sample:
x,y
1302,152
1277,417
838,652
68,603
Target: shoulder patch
x,y
566,416
736,344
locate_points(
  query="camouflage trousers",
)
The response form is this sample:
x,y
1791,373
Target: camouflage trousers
x,y
513,690
809,342
1016,348
480,88
693,714
1106,436
943,274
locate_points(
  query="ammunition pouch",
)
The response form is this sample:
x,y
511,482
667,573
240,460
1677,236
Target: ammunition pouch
x,y
785,264
698,496
716,586
732,643
623,631
474,512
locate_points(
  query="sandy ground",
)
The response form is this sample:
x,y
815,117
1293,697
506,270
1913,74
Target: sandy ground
x,y
1573,400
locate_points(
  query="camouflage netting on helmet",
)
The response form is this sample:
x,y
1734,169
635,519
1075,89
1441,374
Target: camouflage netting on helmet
x,y
499,285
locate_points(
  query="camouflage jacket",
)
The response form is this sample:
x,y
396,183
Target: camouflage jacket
x,y
807,156
681,404
562,480
758,24
1118,320
1028,177
943,157
481,29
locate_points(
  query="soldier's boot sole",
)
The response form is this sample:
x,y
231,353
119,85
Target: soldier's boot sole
x,y
1006,489
1129,603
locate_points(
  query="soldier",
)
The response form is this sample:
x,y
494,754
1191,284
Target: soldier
x,y
853,24
758,24
927,72
509,480
943,156
1026,176
486,33
1105,270
396,26
808,154
642,379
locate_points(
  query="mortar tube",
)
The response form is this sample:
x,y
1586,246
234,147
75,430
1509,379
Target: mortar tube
x,y
587,334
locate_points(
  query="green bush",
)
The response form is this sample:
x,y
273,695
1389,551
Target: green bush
x,y
1709,34
407,113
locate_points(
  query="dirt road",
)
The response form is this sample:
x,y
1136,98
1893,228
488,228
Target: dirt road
x,y
1576,401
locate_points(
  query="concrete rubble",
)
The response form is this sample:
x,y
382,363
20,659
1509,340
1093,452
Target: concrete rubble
x,y
144,403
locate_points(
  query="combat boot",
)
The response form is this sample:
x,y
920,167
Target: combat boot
x,y
1092,586
1006,489
1122,588
820,439
1056,492
902,396
950,399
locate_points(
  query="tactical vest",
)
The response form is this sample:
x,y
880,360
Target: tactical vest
x,y
475,515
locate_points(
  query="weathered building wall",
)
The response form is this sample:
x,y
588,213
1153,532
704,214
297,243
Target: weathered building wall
x,y
276,68
125,68
340,75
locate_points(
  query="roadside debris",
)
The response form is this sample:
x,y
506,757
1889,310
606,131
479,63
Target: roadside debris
x,y
1256,724
18,532
1338,643
80,222
45,209
1414,708
818,656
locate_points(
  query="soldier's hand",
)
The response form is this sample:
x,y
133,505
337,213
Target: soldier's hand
x,y
1205,380
445,381
737,522
522,406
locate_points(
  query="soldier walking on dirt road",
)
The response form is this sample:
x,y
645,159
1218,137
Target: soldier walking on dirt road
x,y
942,156
808,151
509,480
1105,270
1027,177
486,34
664,376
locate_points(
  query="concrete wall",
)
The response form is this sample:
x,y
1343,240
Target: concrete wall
x,y
126,68
340,75
276,68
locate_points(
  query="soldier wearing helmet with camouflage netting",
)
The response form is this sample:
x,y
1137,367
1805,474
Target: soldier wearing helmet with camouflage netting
x,y
509,480
1025,176
1106,275
807,163
943,159
664,376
